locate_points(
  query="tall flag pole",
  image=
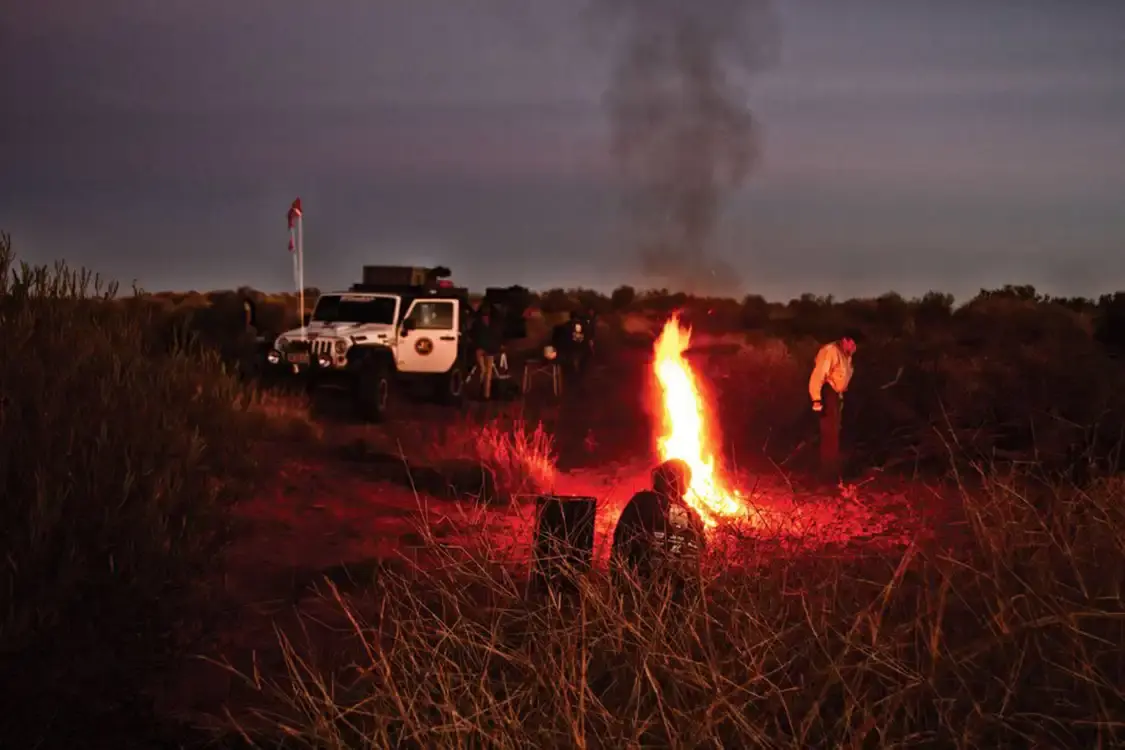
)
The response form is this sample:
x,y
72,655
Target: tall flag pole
x,y
297,250
301,264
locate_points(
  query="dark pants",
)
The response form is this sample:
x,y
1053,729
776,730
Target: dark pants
x,y
570,357
830,434
485,362
582,353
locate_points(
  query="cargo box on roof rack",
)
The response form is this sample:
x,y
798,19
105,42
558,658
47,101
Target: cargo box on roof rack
x,y
403,276
511,303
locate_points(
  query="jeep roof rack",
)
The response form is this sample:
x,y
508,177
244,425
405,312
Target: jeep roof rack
x,y
408,281
407,291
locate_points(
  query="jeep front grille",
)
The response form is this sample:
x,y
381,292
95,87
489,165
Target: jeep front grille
x,y
322,347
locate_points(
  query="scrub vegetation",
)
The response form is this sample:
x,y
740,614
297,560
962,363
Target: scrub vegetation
x,y
141,465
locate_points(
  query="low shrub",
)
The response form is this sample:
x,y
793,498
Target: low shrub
x,y
518,458
521,459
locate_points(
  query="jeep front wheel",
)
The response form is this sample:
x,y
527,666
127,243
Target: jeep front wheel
x,y
373,391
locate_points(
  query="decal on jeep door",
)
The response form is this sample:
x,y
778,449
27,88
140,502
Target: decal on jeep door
x,y
424,346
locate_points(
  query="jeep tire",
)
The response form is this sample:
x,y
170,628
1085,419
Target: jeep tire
x,y
451,386
373,390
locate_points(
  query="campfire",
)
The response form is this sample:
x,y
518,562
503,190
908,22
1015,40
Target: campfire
x,y
687,431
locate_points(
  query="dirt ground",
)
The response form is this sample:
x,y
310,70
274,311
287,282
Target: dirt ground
x,y
359,497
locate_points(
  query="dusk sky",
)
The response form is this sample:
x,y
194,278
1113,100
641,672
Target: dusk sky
x,y
906,144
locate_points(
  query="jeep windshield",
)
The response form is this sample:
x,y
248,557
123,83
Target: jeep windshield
x,y
336,308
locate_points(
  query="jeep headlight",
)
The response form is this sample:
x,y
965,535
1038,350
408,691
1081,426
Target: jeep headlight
x,y
341,346
273,357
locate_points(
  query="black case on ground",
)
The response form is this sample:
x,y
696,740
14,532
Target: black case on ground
x,y
564,540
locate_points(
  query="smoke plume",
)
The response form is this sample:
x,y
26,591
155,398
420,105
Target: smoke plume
x,y
682,132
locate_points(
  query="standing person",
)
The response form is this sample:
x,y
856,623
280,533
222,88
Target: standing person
x,y
246,346
576,327
487,342
562,339
590,323
831,375
659,537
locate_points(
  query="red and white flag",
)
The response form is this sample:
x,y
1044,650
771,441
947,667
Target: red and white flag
x,y
297,250
294,214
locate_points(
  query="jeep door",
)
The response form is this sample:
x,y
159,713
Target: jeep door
x,y
429,339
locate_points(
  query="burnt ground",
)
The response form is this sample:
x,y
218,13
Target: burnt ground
x,y
359,499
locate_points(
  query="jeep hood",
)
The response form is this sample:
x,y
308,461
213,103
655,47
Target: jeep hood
x,y
317,329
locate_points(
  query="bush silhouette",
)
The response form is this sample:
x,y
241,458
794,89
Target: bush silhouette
x,y
118,459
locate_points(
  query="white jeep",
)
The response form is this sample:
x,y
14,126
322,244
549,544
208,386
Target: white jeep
x,y
373,340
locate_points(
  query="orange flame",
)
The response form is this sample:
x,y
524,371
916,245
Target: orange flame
x,y
687,435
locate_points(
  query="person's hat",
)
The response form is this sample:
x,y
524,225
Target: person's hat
x,y
672,472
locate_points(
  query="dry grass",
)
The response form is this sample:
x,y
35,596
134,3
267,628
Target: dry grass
x,y
519,457
286,415
119,459
1010,638
522,459
500,460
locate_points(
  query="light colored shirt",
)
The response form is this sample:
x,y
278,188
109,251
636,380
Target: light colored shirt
x,y
832,367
